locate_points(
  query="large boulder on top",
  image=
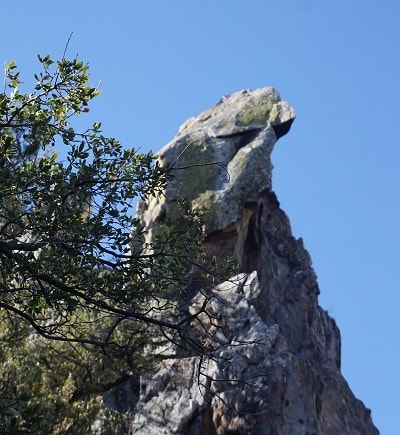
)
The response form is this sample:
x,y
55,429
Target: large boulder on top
x,y
221,159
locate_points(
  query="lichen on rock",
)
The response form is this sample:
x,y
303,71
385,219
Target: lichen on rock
x,y
221,159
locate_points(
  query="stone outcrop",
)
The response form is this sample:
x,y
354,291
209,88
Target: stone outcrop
x,y
277,369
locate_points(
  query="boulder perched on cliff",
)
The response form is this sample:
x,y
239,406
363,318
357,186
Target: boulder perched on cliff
x,y
221,159
276,367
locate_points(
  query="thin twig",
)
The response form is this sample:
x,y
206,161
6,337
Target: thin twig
x,y
66,45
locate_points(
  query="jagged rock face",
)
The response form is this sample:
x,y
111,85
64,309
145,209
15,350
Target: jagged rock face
x,y
281,350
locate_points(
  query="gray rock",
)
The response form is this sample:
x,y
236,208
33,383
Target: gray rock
x,y
275,354
222,158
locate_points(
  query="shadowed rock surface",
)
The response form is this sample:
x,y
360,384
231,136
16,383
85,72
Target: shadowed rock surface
x,y
281,350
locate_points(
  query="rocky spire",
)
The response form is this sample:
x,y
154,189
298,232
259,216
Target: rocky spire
x,y
282,373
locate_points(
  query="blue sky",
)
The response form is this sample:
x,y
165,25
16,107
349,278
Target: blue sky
x,y
336,173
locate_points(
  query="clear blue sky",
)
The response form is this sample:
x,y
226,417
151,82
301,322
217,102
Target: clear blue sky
x,y
336,173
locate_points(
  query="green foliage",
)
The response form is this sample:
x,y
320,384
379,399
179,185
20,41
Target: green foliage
x,y
39,380
81,295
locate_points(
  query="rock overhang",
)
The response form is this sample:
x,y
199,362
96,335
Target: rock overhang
x,y
221,158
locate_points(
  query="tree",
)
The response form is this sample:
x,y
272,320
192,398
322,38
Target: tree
x,y
81,294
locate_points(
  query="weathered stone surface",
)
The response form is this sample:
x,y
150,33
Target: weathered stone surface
x,y
226,155
277,367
